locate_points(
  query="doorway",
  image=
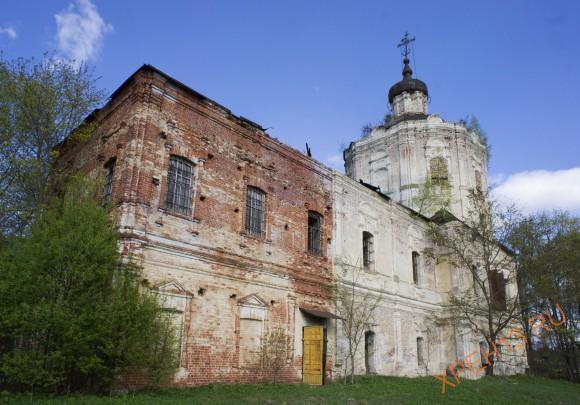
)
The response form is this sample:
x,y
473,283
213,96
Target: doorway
x,y
313,354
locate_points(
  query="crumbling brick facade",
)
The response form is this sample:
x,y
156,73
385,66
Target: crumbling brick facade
x,y
241,235
226,287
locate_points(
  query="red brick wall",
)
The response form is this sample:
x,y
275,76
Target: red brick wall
x,y
208,253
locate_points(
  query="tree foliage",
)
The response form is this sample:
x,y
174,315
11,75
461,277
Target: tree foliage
x,y
356,305
432,197
548,257
473,124
41,102
72,314
485,301
274,353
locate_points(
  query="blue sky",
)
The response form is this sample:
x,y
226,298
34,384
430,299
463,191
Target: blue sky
x,y
318,71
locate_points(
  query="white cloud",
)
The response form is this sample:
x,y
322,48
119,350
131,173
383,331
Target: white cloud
x,y
9,31
80,31
541,190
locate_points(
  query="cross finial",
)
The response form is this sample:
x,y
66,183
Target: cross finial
x,y
404,44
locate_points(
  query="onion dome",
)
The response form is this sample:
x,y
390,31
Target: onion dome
x,y
408,84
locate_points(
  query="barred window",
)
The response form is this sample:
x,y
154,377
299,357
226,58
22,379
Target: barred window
x,y
255,211
108,186
368,249
314,233
179,185
415,259
438,169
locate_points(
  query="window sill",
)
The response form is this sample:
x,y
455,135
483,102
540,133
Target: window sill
x,y
178,215
255,237
315,255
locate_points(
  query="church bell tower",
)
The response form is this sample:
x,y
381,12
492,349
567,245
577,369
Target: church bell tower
x,y
416,149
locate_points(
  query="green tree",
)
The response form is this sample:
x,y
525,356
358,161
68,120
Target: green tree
x,y
488,304
357,307
548,258
274,353
41,102
72,313
473,124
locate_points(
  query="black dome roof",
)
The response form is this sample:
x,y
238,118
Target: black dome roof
x,y
407,84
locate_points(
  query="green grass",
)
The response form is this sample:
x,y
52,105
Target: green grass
x,y
369,390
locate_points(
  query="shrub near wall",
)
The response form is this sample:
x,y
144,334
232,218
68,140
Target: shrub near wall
x,y
72,316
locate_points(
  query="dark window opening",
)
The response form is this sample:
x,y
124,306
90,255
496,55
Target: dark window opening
x,y
370,352
368,249
474,274
478,180
314,233
483,353
415,259
498,290
420,352
179,186
255,212
108,186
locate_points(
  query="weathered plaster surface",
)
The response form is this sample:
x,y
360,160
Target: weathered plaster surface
x,y
226,288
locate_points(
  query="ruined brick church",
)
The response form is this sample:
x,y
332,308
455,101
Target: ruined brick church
x,y
240,234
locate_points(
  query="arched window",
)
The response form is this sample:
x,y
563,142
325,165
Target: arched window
x,y
314,233
256,212
368,249
179,186
438,170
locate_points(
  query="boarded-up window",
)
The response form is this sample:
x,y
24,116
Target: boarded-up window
x,y
255,212
179,186
314,233
252,316
420,352
250,342
498,290
174,306
438,170
368,249
175,318
415,257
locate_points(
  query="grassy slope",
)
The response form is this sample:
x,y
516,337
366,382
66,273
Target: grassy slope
x,y
373,390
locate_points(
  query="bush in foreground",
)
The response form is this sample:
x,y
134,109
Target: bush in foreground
x,y
72,315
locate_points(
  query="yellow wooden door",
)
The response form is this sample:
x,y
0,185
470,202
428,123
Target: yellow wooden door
x,y
313,355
